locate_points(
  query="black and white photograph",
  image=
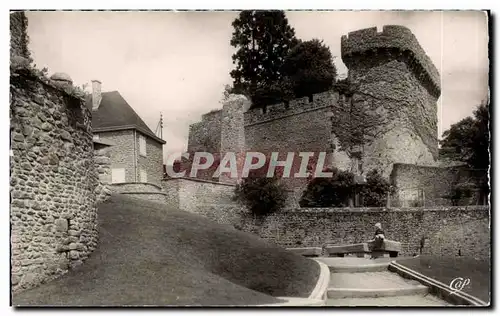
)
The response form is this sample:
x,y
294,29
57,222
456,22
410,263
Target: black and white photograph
x,y
250,158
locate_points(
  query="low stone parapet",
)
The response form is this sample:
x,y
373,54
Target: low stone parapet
x,y
391,247
135,187
307,251
388,247
342,250
158,197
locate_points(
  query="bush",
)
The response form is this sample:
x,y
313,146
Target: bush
x,y
374,192
278,92
416,203
461,190
310,68
329,192
262,195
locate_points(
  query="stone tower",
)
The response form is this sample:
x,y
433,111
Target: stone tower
x,y
233,132
397,83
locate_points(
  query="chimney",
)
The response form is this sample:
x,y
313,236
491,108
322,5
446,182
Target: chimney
x,y
96,94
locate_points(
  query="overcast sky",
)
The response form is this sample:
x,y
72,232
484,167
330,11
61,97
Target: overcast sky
x,y
178,63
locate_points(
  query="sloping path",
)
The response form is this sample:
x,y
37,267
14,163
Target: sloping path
x,y
365,282
149,254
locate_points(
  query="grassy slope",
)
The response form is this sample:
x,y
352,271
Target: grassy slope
x,y
445,269
151,255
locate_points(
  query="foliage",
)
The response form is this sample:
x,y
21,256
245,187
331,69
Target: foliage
x,y
263,40
228,90
262,195
272,65
328,192
274,93
22,71
416,203
461,190
345,87
355,121
374,192
468,140
309,67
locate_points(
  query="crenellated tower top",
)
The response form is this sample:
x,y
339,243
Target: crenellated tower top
x,y
394,40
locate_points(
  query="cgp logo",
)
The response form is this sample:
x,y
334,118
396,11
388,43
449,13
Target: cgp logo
x,y
458,284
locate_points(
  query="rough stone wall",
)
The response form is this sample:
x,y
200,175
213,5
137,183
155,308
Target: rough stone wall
x,y
302,126
53,180
158,197
171,188
135,187
395,79
210,199
233,133
103,165
206,135
396,86
192,195
152,162
436,183
446,230
121,152
395,37
19,35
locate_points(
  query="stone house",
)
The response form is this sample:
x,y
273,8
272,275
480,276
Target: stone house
x,y
136,152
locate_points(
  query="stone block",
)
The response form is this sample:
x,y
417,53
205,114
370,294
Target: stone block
x,y
15,278
74,255
307,251
335,250
388,246
61,225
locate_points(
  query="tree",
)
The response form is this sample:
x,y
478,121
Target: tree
x,y
274,93
309,66
263,39
374,192
262,195
468,141
327,192
355,120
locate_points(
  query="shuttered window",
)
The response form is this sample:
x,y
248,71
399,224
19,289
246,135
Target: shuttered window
x,y
144,175
142,145
118,175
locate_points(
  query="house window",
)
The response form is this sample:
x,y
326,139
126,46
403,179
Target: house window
x,y
144,175
95,137
117,175
142,145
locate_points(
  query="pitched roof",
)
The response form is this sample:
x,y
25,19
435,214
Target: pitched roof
x,y
114,113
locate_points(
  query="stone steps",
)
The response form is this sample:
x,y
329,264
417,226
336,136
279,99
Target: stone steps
x,y
372,284
409,300
363,282
354,265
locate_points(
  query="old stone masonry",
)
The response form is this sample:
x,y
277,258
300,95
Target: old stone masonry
x,y
396,87
54,180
